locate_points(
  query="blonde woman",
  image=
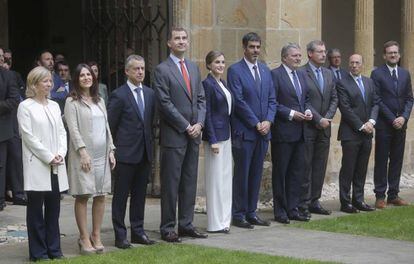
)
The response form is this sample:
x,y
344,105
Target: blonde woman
x,y
44,171
91,155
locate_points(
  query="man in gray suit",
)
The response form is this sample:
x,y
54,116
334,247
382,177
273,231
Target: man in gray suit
x,y
182,109
324,101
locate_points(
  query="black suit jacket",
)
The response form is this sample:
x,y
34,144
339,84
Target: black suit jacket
x,y
354,110
394,102
133,135
9,99
283,129
323,105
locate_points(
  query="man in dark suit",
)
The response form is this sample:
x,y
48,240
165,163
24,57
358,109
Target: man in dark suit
x,y
288,146
394,88
9,98
131,110
359,110
335,60
323,102
255,108
182,108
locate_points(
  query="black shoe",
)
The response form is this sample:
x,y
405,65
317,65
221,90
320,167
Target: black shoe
x,y
191,232
142,239
171,237
319,210
348,208
242,224
282,219
122,244
299,217
363,207
57,257
257,221
223,231
2,206
19,201
305,212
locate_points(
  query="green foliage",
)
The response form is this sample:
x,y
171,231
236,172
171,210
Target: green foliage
x,y
393,223
173,254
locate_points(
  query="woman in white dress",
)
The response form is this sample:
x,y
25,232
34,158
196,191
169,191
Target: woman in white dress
x,y
91,155
217,145
44,171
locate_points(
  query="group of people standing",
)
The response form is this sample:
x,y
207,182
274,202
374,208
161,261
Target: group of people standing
x,y
290,106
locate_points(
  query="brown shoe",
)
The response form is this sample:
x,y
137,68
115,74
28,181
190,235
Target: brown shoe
x,y
380,203
398,202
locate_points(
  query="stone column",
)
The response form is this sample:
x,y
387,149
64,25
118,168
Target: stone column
x,y
407,34
364,33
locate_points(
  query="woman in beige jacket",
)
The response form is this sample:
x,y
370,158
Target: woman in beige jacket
x,y
91,156
44,171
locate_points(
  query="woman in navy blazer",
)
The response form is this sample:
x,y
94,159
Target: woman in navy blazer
x,y
217,145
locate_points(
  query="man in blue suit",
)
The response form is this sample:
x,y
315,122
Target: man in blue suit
x,y
255,109
130,114
394,88
288,146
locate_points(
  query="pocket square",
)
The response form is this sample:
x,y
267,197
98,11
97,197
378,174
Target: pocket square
x,y
61,89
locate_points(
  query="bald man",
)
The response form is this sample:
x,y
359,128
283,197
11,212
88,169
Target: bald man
x,y
358,104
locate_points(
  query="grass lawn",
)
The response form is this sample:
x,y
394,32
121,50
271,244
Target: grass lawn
x,y
182,253
393,223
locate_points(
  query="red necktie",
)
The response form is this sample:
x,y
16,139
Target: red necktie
x,y
185,76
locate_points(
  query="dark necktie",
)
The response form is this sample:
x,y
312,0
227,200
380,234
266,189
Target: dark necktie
x,y
394,78
361,87
257,78
140,102
296,85
320,79
185,76
338,76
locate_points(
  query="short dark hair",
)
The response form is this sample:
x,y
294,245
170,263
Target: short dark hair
x,y
211,56
93,63
174,28
330,51
39,55
391,43
251,36
7,50
76,91
64,63
311,46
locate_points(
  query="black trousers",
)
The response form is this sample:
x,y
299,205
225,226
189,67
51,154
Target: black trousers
x,y
42,218
389,155
287,176
355,157
178,183
14,167
3,160
316,160
130,179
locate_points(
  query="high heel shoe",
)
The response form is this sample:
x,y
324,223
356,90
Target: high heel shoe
x,y
83,250
99,249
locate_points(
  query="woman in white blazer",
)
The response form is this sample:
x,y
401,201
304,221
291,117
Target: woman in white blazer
x,y
44,171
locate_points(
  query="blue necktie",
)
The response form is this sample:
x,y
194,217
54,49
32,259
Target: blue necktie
x,y
296,85
320,79
257,78
361,87
394,78
140,102
338,75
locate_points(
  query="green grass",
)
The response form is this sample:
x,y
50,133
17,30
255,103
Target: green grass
x,y
393,223
170,254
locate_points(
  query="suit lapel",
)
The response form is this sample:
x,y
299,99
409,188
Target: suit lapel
x,y
147,103
388,77
192,72
178,76
132,101
287,80
312,76
250,77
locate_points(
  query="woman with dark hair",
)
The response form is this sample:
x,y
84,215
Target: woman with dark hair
x,y
217,146
103,90
44,171
91,156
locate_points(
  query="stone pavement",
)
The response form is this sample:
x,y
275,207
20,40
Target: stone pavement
x,y
275,240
